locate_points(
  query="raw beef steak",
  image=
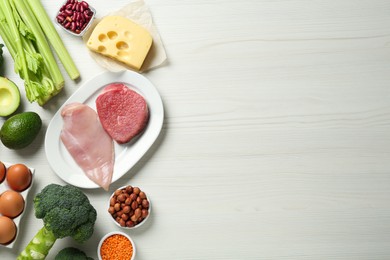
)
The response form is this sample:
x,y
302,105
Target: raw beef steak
x,y
123,112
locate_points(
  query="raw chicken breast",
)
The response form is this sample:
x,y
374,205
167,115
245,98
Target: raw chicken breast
x,y
88,143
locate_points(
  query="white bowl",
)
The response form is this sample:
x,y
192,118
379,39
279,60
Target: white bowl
x,y
93,10
116,233
137,225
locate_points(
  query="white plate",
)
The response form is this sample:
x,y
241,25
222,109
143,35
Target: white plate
x,y
126,155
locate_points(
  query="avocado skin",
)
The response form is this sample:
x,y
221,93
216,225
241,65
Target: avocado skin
x,y
20,130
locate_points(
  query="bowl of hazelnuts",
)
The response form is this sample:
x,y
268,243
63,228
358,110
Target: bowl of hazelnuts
x,y
129,207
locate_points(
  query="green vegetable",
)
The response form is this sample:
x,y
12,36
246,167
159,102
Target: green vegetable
x,y
54,38
9,97
72,253
25,37
20,130
66,212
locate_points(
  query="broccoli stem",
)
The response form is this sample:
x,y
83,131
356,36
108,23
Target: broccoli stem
x,y
39,246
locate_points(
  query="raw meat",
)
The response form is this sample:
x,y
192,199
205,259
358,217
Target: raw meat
x,y
123,112
88,143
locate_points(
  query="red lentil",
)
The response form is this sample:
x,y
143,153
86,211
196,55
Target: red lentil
x,y
116,247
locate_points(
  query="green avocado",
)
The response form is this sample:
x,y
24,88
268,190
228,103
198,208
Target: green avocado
x,y
20,130
9,97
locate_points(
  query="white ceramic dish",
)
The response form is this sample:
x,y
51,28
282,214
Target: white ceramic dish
x,y
4,187
139,224
116,233
86,27
126,155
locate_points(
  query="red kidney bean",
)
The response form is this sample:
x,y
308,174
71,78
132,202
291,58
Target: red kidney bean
x,y
75,16
60,18
68,12
86,13
85,4
82,17
83,27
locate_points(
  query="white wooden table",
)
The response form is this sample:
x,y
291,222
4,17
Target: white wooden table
x,y
276,139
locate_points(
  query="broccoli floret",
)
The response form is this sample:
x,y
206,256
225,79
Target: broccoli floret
x,y
72,253
66,212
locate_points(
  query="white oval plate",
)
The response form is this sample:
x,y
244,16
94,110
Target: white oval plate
x,y
126,155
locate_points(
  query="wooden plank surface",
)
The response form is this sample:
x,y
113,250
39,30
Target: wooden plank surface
x,y
276,140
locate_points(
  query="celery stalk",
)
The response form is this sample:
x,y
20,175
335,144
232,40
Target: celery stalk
x,y
6,35
42,45
24,44
54,38
15,36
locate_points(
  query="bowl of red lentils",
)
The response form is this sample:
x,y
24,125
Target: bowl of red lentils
x,y
129,207
116,245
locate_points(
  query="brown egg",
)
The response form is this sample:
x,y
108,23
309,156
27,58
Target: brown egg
x,y
2,172
19,177
7,230
11,203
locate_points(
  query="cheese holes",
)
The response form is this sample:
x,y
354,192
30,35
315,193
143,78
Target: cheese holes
x,y
123,54
128,35
112,35
101,48
102,37
122,45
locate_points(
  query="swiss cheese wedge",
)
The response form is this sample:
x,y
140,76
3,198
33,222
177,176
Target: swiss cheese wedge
x,y
121,39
